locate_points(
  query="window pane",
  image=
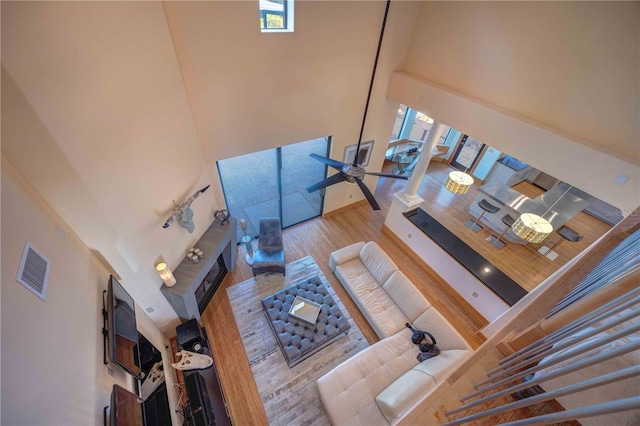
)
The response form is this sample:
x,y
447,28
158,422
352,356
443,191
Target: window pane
x,y
397,126
273,14
272,182
250,186
421,127
445,133
468,153
299,171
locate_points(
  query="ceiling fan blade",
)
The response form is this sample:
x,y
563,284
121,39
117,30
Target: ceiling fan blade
x,y
328,161
387,175
337,178
368,195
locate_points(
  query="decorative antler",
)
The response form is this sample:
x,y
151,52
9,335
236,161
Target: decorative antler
x,y
183,212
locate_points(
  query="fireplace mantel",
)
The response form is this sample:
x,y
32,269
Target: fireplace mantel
x,y
217,240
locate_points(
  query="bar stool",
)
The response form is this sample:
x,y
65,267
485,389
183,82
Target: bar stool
x,y
486,207
495,241
567,234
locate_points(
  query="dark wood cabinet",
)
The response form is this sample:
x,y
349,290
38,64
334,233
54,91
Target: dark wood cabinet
x,y
194,388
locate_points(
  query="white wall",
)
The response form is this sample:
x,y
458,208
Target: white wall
x,y
52,361
571,66
95,116
555,84
251,91
114,109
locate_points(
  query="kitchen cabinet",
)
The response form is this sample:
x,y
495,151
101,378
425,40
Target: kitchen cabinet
x,y
508,171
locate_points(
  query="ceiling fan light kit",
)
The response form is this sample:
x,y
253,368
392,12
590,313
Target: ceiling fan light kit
x,y
354,173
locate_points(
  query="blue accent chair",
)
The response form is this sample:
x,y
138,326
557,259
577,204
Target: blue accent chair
x,y
269,257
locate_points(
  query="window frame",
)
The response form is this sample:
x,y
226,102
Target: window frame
x,y
287,17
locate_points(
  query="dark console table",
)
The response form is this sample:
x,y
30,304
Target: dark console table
x,y
203,401
218,240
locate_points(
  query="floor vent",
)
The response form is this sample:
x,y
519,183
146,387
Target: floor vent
x,y
34,271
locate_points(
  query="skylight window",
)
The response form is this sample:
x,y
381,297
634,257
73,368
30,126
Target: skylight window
x,y
276,15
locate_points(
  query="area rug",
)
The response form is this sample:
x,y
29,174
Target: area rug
x,y
289,395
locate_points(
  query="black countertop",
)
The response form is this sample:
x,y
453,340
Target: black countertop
x,y
507,289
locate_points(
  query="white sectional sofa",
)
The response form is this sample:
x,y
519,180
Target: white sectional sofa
x,y
382,383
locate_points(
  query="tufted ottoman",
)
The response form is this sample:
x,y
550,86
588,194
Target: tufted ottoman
x,y
299,339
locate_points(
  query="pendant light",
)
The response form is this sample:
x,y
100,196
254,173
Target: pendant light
x,y
533,228
458,182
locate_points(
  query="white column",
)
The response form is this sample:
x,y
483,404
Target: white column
x,y
410,193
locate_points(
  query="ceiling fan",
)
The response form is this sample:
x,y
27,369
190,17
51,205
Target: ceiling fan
x,y
355,172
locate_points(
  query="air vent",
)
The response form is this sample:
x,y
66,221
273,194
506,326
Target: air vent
x,y
34,271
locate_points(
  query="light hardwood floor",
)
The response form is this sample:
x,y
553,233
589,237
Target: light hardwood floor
x,y
319,237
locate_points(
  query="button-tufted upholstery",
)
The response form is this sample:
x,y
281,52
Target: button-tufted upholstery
x,y
381,384
299,339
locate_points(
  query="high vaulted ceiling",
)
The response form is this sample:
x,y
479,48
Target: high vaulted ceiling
x,y
111,110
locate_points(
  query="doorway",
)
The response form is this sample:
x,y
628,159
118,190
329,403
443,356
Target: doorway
x,y
467,153
272,183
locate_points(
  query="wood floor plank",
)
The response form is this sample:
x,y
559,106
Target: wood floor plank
x,y
321,236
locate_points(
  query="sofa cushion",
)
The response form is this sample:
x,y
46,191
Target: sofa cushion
x,y
377,261
382,313
404,393
438,367
414,385
447,337
352,404
349,389
406,296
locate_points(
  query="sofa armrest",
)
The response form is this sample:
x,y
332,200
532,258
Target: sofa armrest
x,y
345,254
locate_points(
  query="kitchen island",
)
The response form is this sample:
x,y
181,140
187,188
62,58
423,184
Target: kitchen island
x,y
558,205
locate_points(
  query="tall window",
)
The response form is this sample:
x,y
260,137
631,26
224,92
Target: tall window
x,y
414,125
276,15
271,183
397,126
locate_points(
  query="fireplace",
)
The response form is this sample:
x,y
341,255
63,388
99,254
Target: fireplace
x,y
205,291
196,283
